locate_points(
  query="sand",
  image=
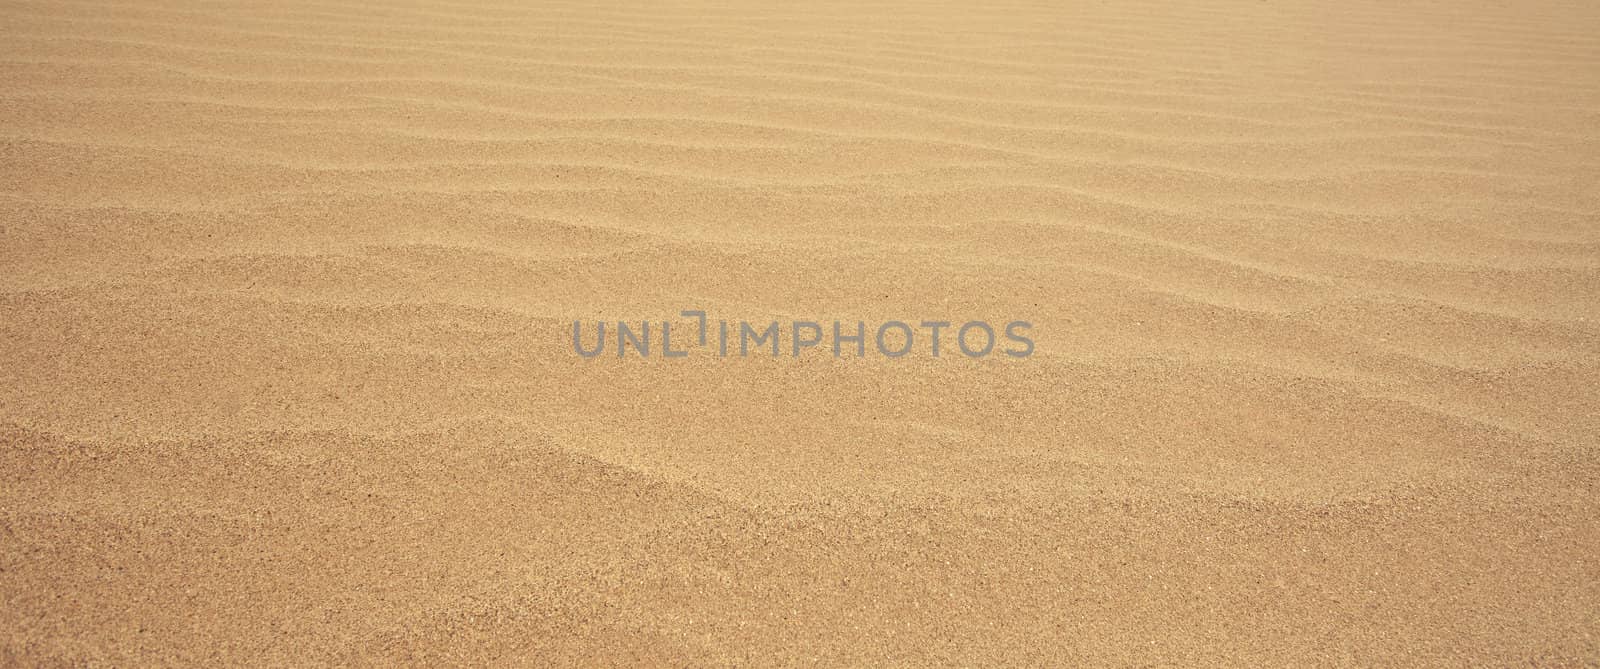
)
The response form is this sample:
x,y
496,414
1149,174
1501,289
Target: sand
x,y
287,292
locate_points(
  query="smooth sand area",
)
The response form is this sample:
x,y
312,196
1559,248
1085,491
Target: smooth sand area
x,y
287,292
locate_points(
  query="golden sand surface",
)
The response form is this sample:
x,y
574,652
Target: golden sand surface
x,y
287,292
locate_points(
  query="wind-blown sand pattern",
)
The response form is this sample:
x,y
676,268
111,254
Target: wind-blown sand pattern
x,y
286,293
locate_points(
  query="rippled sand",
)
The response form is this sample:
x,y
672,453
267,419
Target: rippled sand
x,y
286,294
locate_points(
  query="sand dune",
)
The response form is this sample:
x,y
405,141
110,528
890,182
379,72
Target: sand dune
x,y
287,293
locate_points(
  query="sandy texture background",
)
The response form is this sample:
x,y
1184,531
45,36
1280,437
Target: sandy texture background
x,y
286,293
